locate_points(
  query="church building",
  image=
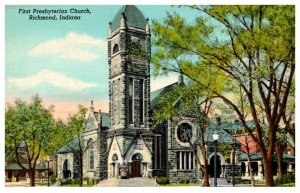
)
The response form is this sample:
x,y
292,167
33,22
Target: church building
x,y
122,143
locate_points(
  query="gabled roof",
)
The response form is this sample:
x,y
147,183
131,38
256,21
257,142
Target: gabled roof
x,y
154,95
224,137
72,146
133,17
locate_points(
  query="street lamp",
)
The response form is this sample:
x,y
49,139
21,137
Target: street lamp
x,y
215,138
48,174
233,161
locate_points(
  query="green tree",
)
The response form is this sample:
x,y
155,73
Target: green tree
x,y
76,125
27,133
247,47
187,100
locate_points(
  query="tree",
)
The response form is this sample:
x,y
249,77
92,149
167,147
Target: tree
x,y
27,133
76,125
247,47
187,100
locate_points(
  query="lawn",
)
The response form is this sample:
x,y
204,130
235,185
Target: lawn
x,y
75,185
177,185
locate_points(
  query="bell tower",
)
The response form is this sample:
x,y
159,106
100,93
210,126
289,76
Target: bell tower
x,y
129,50
129,138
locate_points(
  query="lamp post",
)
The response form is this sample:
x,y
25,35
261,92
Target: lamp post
x,y
233,162
48,173
48,160
215,138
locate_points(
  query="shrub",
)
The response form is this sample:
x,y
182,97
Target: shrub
x,y
92,181
76,181
242,181
285,179
184,181
53,179
87,179
288,185
162,180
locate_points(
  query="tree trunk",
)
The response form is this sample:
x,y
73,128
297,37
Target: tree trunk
x,y
233,168
268,163
80,170
205,171
32,177
250,170
279,151
249,161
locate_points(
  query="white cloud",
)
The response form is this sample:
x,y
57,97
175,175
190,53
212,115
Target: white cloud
x,y
52,78
73,46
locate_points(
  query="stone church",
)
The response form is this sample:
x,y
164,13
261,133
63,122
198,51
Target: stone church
x,y
121,143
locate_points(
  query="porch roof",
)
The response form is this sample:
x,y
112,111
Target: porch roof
x,y
258,156
17,167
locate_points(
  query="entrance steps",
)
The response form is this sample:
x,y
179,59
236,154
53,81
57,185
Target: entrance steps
x,y
130,182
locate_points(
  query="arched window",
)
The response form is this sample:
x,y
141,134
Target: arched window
x,y
91,154
66,165
116,48
115,158
137,157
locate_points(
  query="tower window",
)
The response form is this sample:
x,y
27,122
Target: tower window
x,y
142,101
116,48
131,100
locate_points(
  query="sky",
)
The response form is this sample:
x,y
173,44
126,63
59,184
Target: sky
x,y
65,61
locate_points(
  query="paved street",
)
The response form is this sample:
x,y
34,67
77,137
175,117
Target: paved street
x,y
131,182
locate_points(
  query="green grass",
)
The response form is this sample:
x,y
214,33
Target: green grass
x,y
42,184
176,185
75,185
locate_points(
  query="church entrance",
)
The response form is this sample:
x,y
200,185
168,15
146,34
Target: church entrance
x,y
212,166
136,165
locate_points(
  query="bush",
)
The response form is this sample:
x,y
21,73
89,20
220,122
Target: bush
x,y
288,185
162,180
242,181
185,181
53,179
285,179
87,179
76,181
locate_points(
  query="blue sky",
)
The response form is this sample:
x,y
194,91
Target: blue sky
x,y
66,61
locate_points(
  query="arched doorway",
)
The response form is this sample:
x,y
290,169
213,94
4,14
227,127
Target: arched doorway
x,y
136,165
243,169
66,169
211,166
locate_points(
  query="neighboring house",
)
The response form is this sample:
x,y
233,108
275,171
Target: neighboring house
x,y
14,173
244,139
